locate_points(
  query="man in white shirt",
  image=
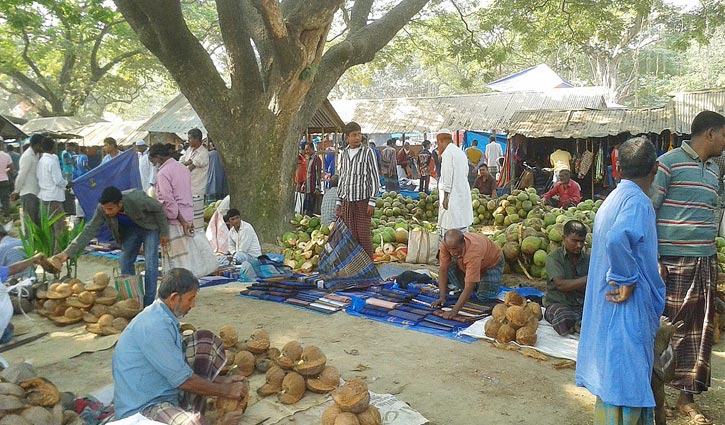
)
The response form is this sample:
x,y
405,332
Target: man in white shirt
x,y
196,158
455,210
243,242
26,183
493,153
52,184
145,168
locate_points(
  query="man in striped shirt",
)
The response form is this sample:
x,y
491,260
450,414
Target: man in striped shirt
x,y
685,197
358,187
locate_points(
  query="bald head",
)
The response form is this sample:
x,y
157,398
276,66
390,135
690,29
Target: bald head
x,y
453,238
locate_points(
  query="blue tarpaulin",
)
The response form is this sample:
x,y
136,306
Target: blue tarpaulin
x,y
483,140
121,172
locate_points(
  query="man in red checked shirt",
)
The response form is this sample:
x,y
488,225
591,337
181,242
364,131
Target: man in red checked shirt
x,y
568,190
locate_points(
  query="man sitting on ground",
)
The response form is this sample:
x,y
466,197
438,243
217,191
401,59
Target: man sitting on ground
x,y
568,190
166,376
243,242
567,269
471,262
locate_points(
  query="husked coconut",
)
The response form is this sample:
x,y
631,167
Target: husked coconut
x,y
525,336
518,316
293,388
499,313
346,418
491,328
329,415
535,309
506,334
371,416
353,396
513,298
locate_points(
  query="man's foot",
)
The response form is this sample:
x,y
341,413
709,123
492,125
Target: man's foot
x,y
695,414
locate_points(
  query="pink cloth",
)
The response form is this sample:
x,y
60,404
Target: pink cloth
x,y
5,162
173,189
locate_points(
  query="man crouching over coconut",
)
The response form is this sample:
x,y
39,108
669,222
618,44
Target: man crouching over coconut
x,y
164,376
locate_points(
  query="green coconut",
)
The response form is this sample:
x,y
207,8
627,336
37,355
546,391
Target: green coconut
x,y
511,250
540,257
530,245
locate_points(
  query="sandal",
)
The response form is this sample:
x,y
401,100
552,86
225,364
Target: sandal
x,y
693,411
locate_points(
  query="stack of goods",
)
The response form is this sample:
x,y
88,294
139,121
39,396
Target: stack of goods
x,y
514,320
34,401
96,304
297,293
351,406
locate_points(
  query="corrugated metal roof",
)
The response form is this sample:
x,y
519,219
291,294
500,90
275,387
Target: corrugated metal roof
x,y
688,104
53,124
490,111
582,123
8,130
125,132
178,116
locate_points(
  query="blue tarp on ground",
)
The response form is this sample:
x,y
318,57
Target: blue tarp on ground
x,y
121,172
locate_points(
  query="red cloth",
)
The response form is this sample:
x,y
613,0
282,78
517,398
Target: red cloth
x,y
403,158
615,161
301,173
569,194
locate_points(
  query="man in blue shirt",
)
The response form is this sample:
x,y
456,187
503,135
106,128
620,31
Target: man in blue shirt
x,y
151,364
625,296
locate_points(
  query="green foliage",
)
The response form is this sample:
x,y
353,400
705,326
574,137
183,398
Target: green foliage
x,y
40,237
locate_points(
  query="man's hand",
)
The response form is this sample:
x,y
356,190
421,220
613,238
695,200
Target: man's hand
x,y
448,315
235,390
61,256
14,196
440,302
445,203
164,241
188,228
620,294
371,210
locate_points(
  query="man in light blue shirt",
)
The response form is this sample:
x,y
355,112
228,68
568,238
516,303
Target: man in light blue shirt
x,y
151,375
625,296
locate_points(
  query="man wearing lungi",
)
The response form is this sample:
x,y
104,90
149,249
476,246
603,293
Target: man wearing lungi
x,y
196,159
358,187
166,376
471,263
567,268
625,296
685,198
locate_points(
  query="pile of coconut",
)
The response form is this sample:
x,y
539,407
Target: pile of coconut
x,y
514,320
33,401
351,406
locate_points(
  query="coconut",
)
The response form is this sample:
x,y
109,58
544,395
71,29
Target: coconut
x,y
77,287
530,245
540,257
513,298
105,320
371,416
244,361
329,415
525,336
274,377
37,415
229,336
518,316
119,323
499,313
40,392
505,334
312,362
258,342
15,420
10,389
290,355
535,308
510,251
108,296
353,396
491,328
293,388
346,418
328,380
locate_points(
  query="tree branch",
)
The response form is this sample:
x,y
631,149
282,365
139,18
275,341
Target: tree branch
x,y
359,14
31,64
244,69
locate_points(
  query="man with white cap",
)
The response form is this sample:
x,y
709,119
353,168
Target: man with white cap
x,y
455,210
145,169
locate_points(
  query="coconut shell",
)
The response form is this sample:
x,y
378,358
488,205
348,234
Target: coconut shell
x,y
90,318
8,388
244,362
274,377
108,296
491,328
258,342
371,416
37,415
525,336
229,336
290,355
312,362
353,396
100,282
99,310
506,334
10,403
127,309
14,420
262,364
329,415
106,320
346,418
513,298
119,323
40,392
328,380
293,388
226,405
77,287
499,313
535,309
61,291
518,316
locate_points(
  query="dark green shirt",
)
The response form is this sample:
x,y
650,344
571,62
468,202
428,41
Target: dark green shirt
x,y
558,264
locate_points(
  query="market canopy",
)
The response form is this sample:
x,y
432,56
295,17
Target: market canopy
x,y
688,104
535,78
583,123
179,117
125,132
483,112
61,127
8,130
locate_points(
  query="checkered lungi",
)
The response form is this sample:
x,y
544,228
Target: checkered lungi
x,y
691,287
198,212
355,216
609,414
205,354
563,318
490,283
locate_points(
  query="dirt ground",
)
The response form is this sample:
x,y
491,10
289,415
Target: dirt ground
x,y
448,382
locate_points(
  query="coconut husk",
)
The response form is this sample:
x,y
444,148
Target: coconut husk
x,y
499,313
90,318
225,405
293,388
95,328
127,309
330,414
99,310
245,363
9,403
229,336
119,323
346,418
491,328
353,396
108,296
74,301
535,309
41,294
100,282
371,416
274,377
15,420
289,356
37,415
48,308
70,316
328,380
76,287
518,316
258,342
60,292
513,298
51,265
505,333
312,362
40,392
525,336
8,388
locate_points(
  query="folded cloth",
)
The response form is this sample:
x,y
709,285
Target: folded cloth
x,y
445,322
381,303
374,313
376,308
401,295
296,301
406,315
458,317
432,325
393,319
415,309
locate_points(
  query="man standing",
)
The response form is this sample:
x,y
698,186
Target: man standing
x,y
6,170
313,179
388,167
625,296
15,156
134,220
475,159
471,263
145,169
560,160
26,184
455,211
328,163
567,268
492,155
424,160
243,242
359,185
685,198
81,163
110,148
67,164
52,184
166,376
196,159
569,191
403,161
216,180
